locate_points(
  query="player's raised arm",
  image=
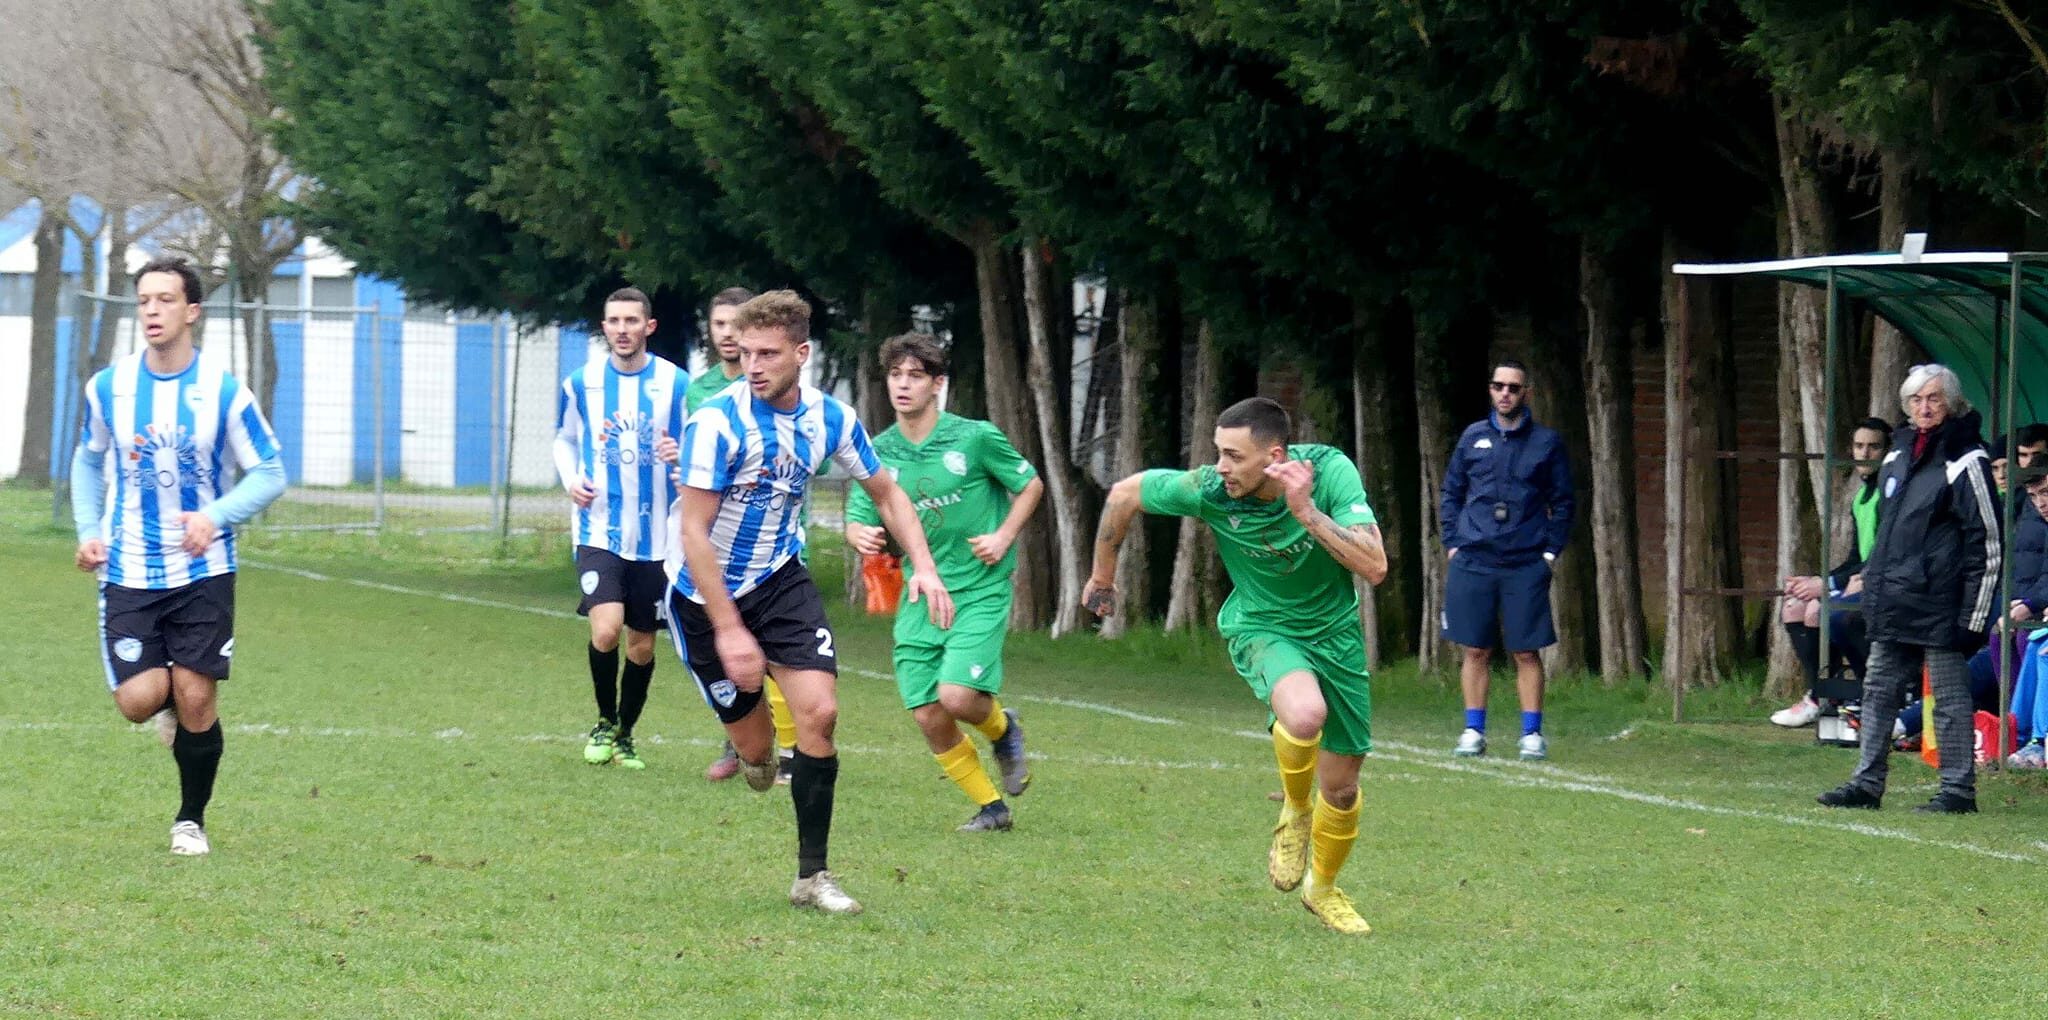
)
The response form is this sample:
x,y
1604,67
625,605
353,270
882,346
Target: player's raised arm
x,y
1357,548
901,520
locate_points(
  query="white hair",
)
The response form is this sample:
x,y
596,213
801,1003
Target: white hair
x,y
1951,388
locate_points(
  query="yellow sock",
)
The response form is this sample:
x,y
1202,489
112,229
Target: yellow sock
x,y
963,767
996,724
1332,833
1297,765
778,710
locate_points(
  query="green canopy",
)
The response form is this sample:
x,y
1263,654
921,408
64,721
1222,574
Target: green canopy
x,y
1954,304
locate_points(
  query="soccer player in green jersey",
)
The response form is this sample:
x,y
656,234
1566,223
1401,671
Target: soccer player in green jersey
x,y
722,368
1293,527
973,494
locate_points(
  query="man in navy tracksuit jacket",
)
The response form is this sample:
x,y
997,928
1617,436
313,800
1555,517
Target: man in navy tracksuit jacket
x,y
1506,514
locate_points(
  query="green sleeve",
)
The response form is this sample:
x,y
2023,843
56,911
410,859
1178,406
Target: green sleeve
x,y
860,507
1341,494
1170,491
999,457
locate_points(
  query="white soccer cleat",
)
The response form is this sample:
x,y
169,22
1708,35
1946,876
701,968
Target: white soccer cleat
x,y
189,840
1533,747
166,723
1800,713
1471,744
821,893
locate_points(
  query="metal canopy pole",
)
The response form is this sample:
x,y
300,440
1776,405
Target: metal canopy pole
x,y
2008,507
1680,410
1833,341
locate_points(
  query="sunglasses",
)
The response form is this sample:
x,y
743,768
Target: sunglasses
x,y
1511,387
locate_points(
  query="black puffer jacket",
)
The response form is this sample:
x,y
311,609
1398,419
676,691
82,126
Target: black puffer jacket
x,y
1932,576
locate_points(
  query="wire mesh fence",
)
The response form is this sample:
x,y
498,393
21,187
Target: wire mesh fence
x,y
399,427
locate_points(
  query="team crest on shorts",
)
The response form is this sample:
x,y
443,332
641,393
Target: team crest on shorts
x,y
955,462
589,582
723,692
129,649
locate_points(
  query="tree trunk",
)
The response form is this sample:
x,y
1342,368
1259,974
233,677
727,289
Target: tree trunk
x,y
1137,355
1435,434
117,286
1057,467
1611,463
1900,201
44,306
1784,679
1560,402
1196,572
1701,631
1809,222
998,289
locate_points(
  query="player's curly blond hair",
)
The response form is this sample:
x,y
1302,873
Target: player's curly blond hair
x,y
777,309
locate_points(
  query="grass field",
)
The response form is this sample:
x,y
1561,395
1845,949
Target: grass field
x,y
404,828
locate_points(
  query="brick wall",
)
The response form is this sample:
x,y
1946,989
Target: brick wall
x,y
1755,386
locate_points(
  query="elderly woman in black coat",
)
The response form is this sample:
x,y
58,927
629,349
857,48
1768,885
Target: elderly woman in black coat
x,y
1930,586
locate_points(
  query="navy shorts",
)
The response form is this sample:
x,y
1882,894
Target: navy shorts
x,y
785,614
191,626
640,585
1484,602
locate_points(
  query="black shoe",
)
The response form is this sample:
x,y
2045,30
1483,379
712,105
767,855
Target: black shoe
x,y
1849,795
1948,804
994,817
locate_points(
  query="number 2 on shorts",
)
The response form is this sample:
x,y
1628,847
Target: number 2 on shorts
x,y
825,642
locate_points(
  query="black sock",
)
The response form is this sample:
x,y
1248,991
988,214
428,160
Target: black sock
x,y
811,786
604,678
1806,645
198,758
633,693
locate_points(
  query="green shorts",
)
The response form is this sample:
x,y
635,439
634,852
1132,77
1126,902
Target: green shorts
x,y
1337,658
970,654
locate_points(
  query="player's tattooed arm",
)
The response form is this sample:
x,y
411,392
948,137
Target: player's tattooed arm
x,y
1121,506
1359,548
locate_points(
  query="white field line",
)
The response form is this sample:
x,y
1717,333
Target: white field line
x,y
1514,773
453,734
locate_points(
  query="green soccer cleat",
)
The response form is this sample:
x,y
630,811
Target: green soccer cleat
x,y
602,739
623,755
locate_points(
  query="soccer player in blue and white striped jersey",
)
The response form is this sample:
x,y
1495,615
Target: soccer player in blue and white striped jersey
x,y
743,603
619,413
155,520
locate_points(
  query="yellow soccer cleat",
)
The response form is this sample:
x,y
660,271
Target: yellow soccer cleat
x,y
1288,860
1334,908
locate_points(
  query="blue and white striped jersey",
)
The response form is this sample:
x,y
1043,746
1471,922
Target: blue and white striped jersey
x,y
163,439
761,461
608,424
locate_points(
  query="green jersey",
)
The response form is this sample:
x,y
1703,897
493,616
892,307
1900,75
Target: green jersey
x,y
1864,509
960,479
1284,582
708,384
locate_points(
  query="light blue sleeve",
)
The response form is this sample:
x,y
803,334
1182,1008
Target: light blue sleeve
x,y
258,487
88,491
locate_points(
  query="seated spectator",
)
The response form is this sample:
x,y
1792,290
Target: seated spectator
x,y
1847,644
2028,603
2030,446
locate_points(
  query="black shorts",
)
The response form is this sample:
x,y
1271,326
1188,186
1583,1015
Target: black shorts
x,y
785,615
640,585
191,626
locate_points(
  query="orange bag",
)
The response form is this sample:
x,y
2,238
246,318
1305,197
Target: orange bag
x,y
883,576
1984,723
